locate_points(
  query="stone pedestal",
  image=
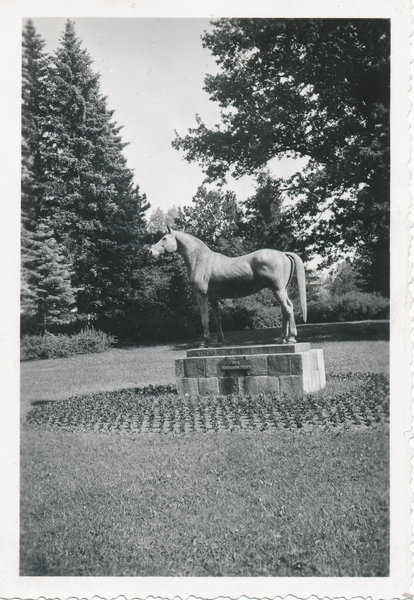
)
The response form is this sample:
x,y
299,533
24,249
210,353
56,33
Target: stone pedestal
x,y
251,370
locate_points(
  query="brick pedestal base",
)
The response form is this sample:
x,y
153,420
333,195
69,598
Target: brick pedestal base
x,y
251,370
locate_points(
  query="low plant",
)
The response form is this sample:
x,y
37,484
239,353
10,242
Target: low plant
x,y
89,340
349,400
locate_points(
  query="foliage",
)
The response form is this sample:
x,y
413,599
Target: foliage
x,y
46,279
163,308
351,306
254,312
34,68
84,234
82,187
159,219
361,399
266,225
51,345
343,279
216,219
45,270
98,213
315,88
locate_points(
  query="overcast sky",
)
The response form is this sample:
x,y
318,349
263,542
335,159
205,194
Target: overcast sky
x,y
152,72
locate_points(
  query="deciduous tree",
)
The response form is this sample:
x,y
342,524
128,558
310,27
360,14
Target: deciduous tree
x,y
216,219
315,88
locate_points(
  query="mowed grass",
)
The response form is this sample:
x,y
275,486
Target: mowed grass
x,y
285,502
227,504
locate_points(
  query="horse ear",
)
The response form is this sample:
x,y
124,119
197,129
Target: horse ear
x,y
168,229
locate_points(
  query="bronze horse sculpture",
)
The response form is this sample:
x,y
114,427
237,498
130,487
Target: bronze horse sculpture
x,y
214,276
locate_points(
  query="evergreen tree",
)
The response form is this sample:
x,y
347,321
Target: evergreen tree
x,y
46,294
267,224
34,65
46,291
87,191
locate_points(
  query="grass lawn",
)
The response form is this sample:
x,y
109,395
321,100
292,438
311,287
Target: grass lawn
x,y
222,504
285,501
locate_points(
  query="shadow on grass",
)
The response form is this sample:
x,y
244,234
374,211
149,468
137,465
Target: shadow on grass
x,y
41,402
309,332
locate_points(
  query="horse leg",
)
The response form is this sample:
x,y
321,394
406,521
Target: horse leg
x,y
215,309
289,331
285,329
203,305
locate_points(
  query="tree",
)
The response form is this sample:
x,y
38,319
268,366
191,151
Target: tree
x,y
34,64
267,224
216,219
343,280
316,88
87,191
46,292
159,219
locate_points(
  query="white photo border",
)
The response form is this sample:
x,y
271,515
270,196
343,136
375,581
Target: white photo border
x,y
398,585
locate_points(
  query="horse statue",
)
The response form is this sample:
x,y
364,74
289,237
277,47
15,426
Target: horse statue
x,y
214,276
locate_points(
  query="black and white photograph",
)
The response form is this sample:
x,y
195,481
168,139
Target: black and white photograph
x,y
206,326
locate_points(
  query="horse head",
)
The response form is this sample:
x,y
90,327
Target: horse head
x,y
167,243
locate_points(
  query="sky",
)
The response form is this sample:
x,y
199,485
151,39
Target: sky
x,y
152,72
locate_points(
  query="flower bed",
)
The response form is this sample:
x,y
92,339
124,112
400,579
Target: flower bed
x,y
350,400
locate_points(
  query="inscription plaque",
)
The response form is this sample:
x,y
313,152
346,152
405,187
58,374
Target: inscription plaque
x,y
235,365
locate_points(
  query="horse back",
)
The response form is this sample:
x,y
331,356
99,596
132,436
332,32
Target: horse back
x,y
248,274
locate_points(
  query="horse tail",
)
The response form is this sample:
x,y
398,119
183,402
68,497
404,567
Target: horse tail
x,y
301,279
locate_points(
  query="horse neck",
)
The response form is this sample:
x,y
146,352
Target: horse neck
x,y
190,249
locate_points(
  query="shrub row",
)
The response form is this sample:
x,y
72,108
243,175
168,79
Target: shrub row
x,y
249,313
35,347
353,306
157,325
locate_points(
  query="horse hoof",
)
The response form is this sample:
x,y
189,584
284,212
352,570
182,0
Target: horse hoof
x,y
290,340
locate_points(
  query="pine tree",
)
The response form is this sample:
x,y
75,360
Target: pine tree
x,y
46,293
88,194
34,64
46,288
